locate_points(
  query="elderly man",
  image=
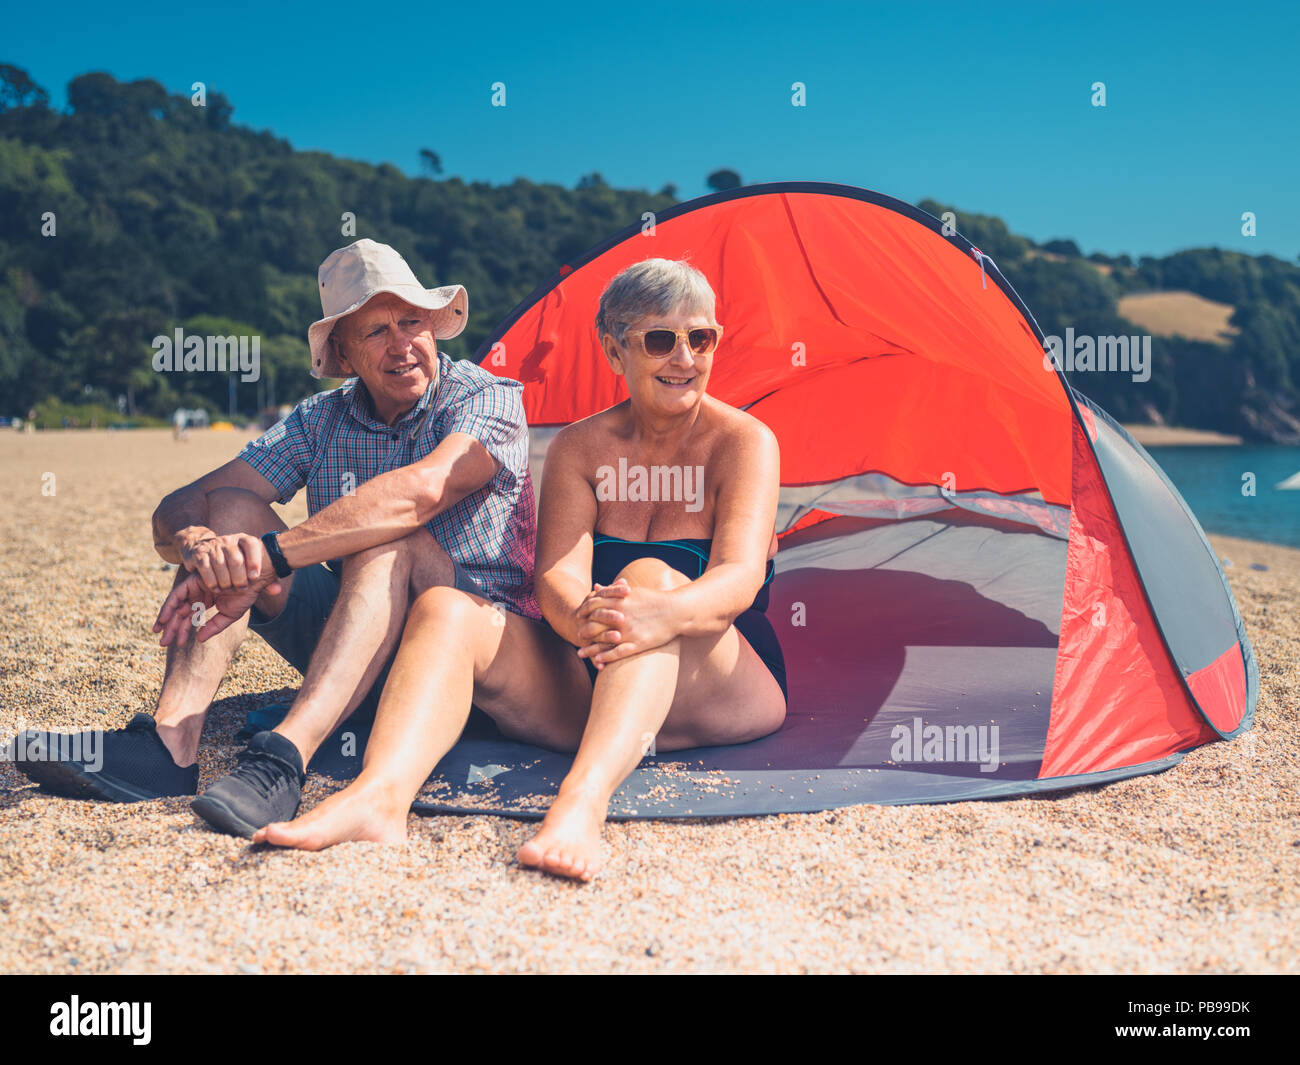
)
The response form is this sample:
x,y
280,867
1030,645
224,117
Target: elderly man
x,y
416,473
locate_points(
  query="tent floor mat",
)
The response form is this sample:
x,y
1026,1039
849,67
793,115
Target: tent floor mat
x,y
486,775
938,691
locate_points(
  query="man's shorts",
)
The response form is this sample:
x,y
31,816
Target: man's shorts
x,y
295,631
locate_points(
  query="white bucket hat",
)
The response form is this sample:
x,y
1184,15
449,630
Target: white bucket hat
x,y
350,276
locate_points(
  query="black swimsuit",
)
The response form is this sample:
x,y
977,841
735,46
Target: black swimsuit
x,y
690,557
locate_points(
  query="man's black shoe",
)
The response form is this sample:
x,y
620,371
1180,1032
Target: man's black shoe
x,y
265,786
129,764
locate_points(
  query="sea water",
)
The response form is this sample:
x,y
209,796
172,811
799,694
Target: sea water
x,y
1215,483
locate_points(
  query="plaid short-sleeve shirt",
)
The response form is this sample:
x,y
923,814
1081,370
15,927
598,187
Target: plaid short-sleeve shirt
x,y
331,442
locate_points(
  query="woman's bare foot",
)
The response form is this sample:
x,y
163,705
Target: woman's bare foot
x,y
568,843
351,815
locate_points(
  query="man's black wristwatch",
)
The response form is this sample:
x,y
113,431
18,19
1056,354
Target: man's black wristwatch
x,y
271,541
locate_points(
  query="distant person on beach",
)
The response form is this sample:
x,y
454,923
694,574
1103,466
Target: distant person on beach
x,y
416,473
659,606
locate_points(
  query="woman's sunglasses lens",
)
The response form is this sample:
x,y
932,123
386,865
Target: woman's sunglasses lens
x,y
660,342
702,340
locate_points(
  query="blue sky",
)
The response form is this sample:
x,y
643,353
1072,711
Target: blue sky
x,y
986,107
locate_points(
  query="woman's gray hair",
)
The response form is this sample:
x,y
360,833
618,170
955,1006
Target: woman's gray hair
x,y
652,286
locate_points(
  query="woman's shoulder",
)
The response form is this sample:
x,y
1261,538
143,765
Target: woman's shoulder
x,y
574,447
591,431
736,427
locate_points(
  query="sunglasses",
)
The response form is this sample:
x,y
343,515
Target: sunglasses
x,y
660,343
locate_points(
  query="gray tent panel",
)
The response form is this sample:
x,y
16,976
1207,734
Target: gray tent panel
x,y
921,657
1180,572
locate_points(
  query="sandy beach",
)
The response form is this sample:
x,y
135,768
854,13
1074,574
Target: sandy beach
x,y
1195,870
1172,435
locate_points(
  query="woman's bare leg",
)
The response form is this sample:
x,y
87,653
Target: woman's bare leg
x,y
456,648
689,692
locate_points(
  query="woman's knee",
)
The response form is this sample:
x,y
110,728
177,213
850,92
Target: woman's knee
x,y
652,573
442,605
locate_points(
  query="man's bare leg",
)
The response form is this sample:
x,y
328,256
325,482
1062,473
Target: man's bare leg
x,y
456,648
690,692
364,626
195,670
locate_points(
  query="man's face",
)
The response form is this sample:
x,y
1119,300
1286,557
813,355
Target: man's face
x,y
390,345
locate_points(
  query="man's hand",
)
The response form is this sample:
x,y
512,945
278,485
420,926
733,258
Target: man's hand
x,y
223,562
189,601
616,621
190,537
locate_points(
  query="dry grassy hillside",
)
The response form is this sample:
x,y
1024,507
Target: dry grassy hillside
x,y
1180,314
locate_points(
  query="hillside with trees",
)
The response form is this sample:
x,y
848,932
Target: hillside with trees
x,y
147,199
1245,383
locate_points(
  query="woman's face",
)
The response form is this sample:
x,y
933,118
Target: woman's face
x,y
671,384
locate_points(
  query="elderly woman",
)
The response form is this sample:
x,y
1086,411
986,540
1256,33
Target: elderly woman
x,y
660,599
663,597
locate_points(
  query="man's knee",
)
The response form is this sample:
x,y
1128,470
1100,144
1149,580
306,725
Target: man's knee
x,y
401,547
236,510
653,573
417,555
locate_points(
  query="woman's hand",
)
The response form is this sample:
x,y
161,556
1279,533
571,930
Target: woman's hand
x,y
616,621
595,618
